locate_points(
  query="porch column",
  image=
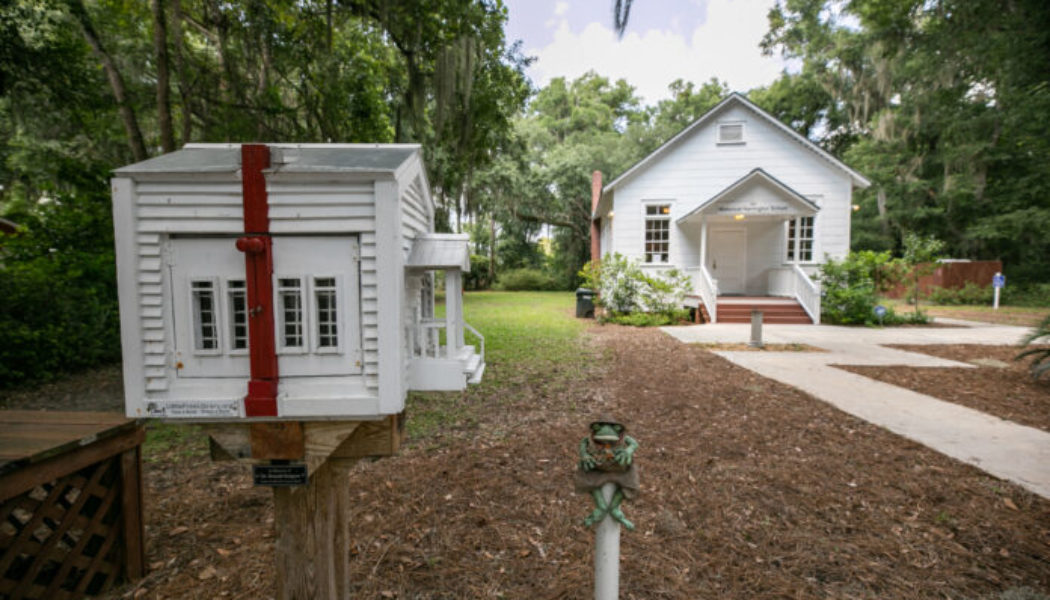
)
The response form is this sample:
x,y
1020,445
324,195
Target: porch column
x,y
703,241
794,242
453,311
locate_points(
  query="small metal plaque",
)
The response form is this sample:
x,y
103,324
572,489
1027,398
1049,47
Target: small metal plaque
x,y
279,475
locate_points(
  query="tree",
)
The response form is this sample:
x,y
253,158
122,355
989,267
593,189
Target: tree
x,y
942,105
920,254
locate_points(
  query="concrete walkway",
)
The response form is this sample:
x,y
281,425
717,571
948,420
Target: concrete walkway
x,y
1001,448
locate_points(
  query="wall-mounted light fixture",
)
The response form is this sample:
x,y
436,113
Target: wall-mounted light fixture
x,y
738,217
856,207
610,215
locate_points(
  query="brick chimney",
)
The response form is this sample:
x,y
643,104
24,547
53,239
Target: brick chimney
x,y
596,233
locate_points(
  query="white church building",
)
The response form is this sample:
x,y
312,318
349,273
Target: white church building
x,y
743,204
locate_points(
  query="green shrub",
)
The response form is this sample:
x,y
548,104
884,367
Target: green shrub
x,y
850,294
1040,355
58,297
631,296
971,293
478,277
525,279
648,319
906,318
1035,295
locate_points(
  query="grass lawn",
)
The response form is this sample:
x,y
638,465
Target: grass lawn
x,y
1005,315
531,339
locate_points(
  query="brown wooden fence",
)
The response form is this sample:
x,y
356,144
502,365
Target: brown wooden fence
x,y
952,275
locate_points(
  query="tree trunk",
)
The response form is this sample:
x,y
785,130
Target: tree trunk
x,y
116,81
492,248
160,49
180,70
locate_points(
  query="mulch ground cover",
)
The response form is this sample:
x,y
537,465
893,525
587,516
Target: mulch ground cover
x,y
751,489
998,385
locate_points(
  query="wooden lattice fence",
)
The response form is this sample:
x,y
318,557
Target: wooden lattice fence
x,y
74,527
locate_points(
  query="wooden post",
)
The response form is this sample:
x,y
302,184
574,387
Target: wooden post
x,y
313,535
311,522
131,513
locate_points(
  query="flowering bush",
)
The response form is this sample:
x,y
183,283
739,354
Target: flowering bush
x,y
624,289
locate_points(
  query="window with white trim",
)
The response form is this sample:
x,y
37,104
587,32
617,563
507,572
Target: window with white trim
x,y
731,133
657,233
800,239
290,310
205,316
237,309
326,317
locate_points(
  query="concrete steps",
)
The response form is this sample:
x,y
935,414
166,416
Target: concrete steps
x,y
737,309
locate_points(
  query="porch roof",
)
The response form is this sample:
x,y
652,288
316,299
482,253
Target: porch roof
x,y
756,194
440,251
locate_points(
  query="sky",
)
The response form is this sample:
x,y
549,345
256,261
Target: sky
x,y
693,40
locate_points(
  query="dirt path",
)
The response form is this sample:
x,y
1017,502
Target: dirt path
x,y
751,490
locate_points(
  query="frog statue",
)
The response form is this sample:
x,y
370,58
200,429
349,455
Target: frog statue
x,y
607,456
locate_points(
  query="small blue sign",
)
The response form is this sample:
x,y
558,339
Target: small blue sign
x,y
880,311
999,281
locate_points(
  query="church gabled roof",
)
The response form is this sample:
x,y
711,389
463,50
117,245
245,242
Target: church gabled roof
x,y
737,98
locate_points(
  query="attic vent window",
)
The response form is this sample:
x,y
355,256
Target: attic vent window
x,y
731,133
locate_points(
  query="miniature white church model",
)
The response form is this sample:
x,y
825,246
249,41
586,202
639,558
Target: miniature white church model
x,y
285,281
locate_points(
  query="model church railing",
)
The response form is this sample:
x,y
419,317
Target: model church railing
x,y
427,340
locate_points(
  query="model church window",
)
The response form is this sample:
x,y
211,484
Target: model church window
x,y
657,233
206,333
327,315
238,309
290,309
800,240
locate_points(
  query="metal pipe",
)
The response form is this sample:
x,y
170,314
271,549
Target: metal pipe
x,y
607,553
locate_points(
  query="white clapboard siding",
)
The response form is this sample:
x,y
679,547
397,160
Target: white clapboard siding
x,y
335,207
698,167
416,219
369,312
184,206
153,328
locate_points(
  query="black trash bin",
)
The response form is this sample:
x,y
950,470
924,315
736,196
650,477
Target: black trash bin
x,y
584,303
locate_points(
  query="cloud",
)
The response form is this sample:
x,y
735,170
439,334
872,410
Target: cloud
x,y
725,46
561,9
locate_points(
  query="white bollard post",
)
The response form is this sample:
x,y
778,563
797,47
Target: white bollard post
x,y
995,284
607,553
756,329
